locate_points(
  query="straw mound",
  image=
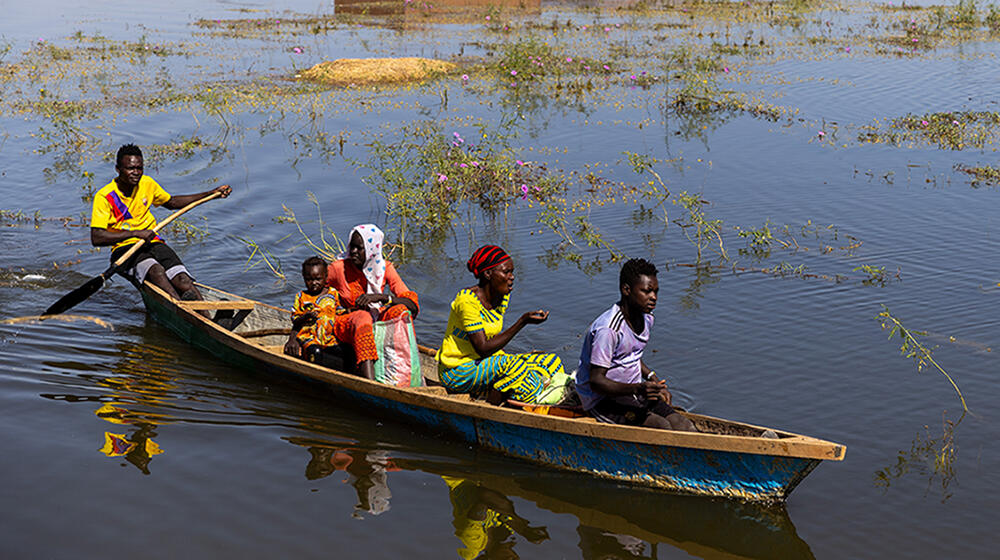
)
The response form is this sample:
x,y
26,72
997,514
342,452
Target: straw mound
x,y
362,71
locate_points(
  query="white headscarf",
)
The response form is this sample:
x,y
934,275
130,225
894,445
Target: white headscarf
x,y
374,267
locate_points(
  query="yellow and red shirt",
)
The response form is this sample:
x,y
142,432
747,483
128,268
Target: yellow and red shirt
x,y
114,210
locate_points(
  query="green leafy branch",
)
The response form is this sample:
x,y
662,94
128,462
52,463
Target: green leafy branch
x,y
911,348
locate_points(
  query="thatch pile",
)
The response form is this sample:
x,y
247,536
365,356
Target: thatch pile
x,y
365,71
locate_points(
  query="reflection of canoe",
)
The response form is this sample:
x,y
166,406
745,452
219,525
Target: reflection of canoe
x,y
702,527
727,459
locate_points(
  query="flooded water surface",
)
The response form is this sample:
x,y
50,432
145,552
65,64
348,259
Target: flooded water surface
x,y
806,176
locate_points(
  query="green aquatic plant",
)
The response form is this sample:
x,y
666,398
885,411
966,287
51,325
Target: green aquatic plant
x,y
425,177
963,14
912,348
329,249
948,130
992,18
876,275
706,232
187,231
983,175
260,255
759,241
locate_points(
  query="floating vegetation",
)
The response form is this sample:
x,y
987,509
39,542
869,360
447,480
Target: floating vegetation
x,y
983,175
368,71
911,347
876,275
953,131
928,455
262,255
700,231
11,218
268,27
186,231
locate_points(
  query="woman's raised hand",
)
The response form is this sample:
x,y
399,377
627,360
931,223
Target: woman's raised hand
x,y
535,317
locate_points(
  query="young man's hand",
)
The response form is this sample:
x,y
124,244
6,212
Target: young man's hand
x,y
653,390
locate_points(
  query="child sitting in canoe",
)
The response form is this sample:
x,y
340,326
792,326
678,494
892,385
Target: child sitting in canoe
x,y
614,384
315,313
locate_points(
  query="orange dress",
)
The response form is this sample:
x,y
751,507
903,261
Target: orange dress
x,y
356,327
326,306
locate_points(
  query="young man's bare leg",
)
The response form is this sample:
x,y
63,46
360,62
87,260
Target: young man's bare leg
x,y
184,285
158,277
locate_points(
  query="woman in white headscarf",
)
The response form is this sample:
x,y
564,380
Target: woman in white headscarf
x,y
371,289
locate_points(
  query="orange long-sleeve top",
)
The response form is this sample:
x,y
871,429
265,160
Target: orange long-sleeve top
x,y
343,276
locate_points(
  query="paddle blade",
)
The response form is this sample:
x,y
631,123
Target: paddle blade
x,y
76,296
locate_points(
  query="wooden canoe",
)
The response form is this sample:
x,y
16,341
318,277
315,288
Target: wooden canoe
x,y
727,458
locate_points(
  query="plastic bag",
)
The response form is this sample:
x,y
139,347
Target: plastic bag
x,y
398,362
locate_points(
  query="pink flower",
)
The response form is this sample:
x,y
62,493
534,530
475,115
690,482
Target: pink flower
x,y
606,67
632,77
442,177
474,164
462,165
519,162
465,77
925,123
487,18
297,50
524,190
569,59
513,72
847,49
821,134
954,123
726,69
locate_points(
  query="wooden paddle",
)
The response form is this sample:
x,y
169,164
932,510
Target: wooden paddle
x,y
94,284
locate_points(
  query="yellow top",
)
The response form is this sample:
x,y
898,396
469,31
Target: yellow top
x,y
467,316
114,210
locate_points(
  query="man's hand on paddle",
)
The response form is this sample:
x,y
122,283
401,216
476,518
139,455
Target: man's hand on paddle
x,y
226,190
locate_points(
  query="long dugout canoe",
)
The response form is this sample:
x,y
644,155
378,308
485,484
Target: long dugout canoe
x,y
726,458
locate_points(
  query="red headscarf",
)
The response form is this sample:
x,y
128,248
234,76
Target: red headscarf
x,y
485,258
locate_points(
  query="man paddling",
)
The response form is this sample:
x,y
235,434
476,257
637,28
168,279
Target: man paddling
x,y
121,217
614,384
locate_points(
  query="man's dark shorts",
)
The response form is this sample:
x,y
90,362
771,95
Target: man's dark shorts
x,y
629,409
138,265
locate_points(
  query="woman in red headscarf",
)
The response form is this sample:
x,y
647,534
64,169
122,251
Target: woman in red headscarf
x,y
471,358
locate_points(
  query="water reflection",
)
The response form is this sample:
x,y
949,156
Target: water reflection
x,y
367,472
138,447
613,521
485,521
930,456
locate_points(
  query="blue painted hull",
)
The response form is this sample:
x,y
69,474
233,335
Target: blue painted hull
x,y
694,470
